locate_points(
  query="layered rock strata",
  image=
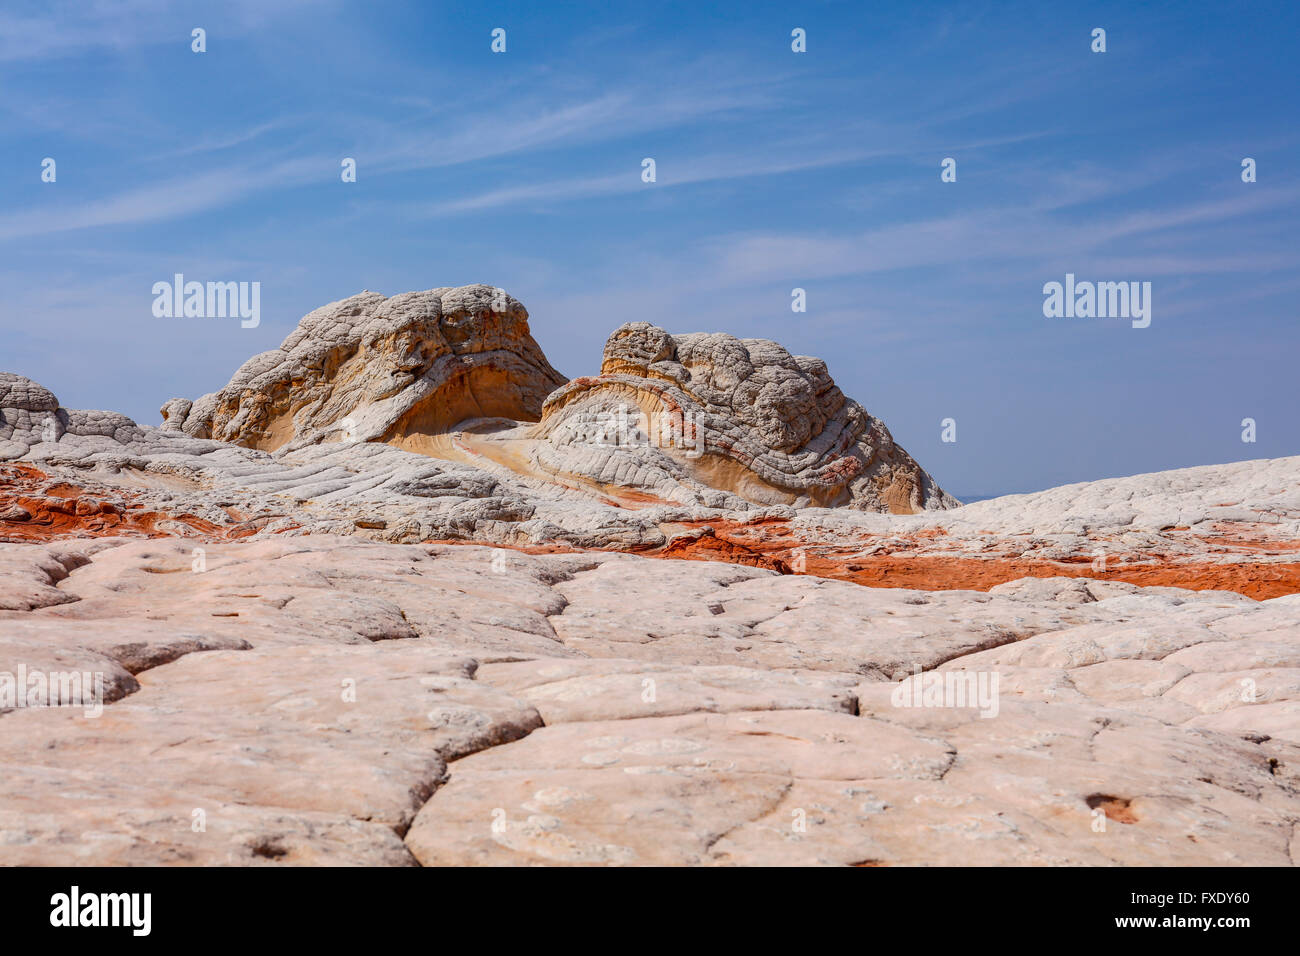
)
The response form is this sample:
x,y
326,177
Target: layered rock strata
x,y
67,472
371,368
739,415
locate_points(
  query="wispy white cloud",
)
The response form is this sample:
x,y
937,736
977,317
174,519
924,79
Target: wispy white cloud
x,y
481,135
1004,233
163,201
217,143
526,125
53,29
715,168
768,159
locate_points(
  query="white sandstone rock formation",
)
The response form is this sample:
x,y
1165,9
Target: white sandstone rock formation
x,y
280,644
371,368
740,415
333,701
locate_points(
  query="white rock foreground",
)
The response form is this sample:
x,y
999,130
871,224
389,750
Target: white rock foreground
x,y
368,703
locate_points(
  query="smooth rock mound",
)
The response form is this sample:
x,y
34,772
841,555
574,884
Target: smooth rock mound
x,y
371,368
739,415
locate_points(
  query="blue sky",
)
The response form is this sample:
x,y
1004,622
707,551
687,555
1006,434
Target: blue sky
x,y
775,170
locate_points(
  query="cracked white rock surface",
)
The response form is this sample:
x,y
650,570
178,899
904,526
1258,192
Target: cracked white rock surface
x,y
495,721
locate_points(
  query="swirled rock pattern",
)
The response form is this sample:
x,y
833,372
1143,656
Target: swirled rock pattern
x,y
739,415
375,368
